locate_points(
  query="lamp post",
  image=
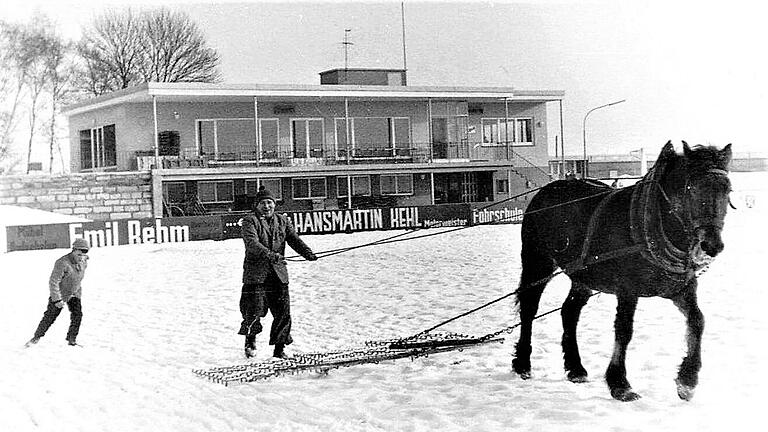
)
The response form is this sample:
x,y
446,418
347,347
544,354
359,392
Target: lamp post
x,y
584,132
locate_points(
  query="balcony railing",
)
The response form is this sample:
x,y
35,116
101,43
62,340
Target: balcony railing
x,y
246,156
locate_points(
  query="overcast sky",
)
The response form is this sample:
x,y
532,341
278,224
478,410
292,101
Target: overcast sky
x,y
693,71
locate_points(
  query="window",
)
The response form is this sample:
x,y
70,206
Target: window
x,y
502,186
98,147
174,192
86,154
497,131
270,131
309,188
233,138
273,185
397,184
374,136
523,132
307,138
216,191
361,186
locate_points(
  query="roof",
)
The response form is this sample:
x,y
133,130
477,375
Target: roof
x,y
206,92
360,70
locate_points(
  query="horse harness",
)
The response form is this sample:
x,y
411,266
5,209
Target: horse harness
x,y
646,230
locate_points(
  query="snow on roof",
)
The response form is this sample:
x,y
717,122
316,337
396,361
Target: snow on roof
x,y
14,216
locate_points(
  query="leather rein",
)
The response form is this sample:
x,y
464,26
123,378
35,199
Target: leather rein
x,y
647,229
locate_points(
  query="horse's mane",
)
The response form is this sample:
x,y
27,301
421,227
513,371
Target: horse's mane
x,y
646,220
701,158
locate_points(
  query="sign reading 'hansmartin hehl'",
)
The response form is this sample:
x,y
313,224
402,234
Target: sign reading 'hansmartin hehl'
x,y
333,221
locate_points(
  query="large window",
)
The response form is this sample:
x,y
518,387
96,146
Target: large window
x,y
396,184
270,131
517,131
361,186
232,139
309,188
216,191
273,185
307,138
98,147
174,192
374,136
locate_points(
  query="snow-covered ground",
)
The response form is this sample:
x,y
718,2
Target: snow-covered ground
x,y
153,313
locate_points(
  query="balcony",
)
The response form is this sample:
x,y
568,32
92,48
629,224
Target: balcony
x,y
246,156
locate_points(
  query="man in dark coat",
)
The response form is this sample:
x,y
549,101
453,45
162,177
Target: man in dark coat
x,y
265,275
65,289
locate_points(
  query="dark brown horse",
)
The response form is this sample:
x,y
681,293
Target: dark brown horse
x,y
641,241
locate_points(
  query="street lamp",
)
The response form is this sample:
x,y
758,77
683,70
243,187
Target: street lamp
x,y
584,132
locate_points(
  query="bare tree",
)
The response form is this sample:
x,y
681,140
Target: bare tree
x,y
123,49
34,54
110,49
60,70
12,78
36,62
175,49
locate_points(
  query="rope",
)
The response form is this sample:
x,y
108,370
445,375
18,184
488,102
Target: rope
x,y
324,254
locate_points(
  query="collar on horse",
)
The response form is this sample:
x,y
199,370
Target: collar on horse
x,y
646,228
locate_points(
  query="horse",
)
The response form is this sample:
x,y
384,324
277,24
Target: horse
x,y
644,240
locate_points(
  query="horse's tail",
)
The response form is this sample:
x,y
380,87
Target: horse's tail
x,y
536,259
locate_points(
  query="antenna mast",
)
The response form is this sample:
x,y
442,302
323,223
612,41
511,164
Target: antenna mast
x,y
402,15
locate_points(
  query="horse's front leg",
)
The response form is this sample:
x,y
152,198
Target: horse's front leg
x,y
570,313
616,375
688,375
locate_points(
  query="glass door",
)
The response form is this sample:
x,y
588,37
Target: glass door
x,y
439,138
307,137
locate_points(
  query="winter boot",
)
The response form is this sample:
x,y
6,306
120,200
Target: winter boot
x,y
32,341
250,346
279,352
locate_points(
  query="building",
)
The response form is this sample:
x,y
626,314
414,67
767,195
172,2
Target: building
x,y
361,138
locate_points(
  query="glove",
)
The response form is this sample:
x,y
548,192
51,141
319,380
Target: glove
x,y
59,304
311,257
276,258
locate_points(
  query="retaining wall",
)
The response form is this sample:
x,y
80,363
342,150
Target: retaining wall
x,y
95,196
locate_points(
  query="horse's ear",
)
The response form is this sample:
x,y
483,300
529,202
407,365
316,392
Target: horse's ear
x,y
726,154
668,151
686,149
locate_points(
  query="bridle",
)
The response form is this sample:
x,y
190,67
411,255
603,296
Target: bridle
x,y
688,218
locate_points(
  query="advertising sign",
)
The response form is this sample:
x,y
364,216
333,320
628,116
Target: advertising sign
x,y
357,220
220,227
503,213
114,233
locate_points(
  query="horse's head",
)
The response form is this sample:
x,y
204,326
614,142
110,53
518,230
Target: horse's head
x,y
698,188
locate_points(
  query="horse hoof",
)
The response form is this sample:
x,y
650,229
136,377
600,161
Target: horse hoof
x,y
685,391
577,378
522,369
624,395
577,375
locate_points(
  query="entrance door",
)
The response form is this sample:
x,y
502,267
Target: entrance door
x,y
469,187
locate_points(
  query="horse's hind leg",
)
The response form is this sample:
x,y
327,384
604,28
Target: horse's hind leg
x,y
570,313
536,269
688,375
616,375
